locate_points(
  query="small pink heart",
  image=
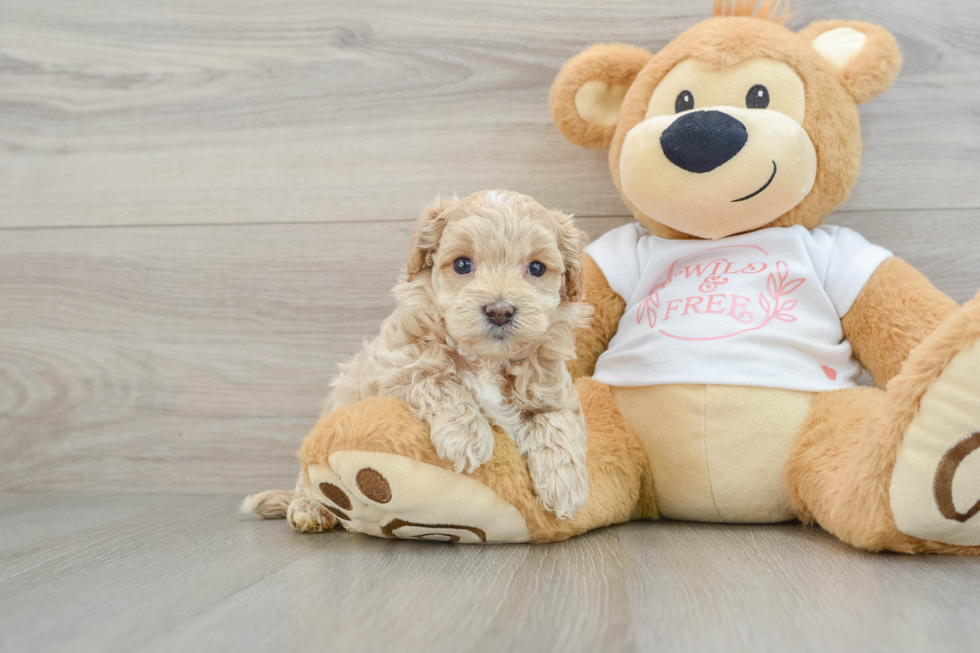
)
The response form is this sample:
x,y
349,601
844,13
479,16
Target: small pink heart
x,y
830,372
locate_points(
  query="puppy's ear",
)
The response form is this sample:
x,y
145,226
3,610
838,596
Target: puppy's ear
x,y
865,56
589,90
428,231
571,241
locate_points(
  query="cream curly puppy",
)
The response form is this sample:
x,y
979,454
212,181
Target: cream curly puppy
x,y
484,325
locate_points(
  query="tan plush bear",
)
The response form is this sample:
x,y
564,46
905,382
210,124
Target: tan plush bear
x,y
729,324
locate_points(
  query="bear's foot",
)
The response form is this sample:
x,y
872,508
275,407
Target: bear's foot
x,y
899,469
391,496
373,466
935,485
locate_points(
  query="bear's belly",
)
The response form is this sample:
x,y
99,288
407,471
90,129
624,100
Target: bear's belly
x,y
717,453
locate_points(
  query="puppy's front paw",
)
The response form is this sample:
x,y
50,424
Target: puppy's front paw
x,y
308,516
464,439
561,483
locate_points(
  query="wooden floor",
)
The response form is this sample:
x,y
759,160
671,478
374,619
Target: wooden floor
x,y
147,572
203,206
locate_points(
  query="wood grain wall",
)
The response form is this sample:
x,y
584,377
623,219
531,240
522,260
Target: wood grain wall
x,y
203,205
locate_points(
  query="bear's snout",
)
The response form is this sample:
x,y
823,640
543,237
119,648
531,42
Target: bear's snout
x,y
700,141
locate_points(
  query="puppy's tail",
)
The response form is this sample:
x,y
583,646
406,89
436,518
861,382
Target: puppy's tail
x,y
271,504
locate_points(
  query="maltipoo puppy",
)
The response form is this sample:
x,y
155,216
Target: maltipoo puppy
x,y
483,328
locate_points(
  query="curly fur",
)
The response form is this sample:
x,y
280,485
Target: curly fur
x,y
439,354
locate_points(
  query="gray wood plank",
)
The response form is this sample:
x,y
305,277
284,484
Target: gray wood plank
x,y
787,588
407,596
194,359
32,533
151,579
140,575
179,573
122,112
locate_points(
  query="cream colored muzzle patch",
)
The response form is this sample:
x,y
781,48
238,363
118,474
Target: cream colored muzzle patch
x,y
773,172
935,486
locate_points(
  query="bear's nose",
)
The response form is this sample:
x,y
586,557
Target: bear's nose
x,y
701,141
499,313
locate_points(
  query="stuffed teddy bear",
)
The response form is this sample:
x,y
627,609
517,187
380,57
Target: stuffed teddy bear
x,y
718,376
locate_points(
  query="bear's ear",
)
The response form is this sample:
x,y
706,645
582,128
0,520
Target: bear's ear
x,y
589,90
865,56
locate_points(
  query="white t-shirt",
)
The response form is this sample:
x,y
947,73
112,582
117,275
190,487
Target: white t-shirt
x,y
759,309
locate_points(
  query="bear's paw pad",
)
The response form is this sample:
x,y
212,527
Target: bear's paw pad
x,y
391,496
935,486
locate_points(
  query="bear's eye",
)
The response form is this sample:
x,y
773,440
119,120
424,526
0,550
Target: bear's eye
x,y
684,102
757,97
536,269
462,265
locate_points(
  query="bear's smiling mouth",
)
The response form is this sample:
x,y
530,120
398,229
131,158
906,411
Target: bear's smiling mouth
x,y
764,186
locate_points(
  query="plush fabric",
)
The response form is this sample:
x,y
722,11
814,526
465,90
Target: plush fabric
x,y
611,65
717,452
887,468
900,296
874,68
608,309
831,119
840,469
620,481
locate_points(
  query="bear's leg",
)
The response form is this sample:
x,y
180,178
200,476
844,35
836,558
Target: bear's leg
x,y
373,466
899,469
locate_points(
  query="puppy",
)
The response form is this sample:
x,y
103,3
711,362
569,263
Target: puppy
x,y
484,325
483,328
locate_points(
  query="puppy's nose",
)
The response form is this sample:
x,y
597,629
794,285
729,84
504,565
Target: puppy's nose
x,y
701,141
499,313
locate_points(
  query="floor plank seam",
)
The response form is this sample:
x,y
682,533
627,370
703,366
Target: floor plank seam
x,y
410,221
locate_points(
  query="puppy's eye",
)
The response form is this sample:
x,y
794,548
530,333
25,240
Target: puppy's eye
x,y
757,97
536,269
463,265
684,102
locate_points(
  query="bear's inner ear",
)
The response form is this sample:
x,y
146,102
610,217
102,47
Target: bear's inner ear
x,y
864,56
588,92
598,102
840,45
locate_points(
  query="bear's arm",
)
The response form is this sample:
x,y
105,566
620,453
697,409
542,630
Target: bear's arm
x,y
895,311
609,307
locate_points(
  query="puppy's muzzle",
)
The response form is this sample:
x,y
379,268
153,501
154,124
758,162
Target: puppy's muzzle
x,y
499,313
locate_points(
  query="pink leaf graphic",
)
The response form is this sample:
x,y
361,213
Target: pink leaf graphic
x,y
771,286
788,305
783,270
786,318
792,285
830,372
646,308
763,302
